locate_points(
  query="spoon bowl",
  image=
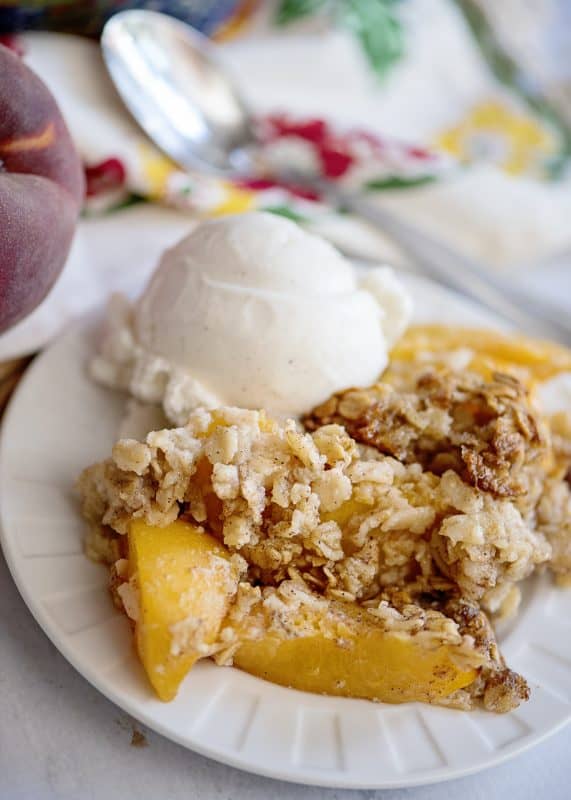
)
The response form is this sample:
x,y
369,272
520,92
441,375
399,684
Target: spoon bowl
x,y
169,77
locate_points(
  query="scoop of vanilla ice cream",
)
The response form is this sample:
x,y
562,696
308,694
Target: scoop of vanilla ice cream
x,y
253,311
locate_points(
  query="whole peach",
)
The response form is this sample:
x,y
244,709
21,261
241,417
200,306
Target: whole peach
x,y
41,190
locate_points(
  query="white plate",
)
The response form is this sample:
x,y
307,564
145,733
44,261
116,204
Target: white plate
x,y
58,423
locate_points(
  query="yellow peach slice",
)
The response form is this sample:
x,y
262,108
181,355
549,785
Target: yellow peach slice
x,y
186,585
533,359
347,653
186,582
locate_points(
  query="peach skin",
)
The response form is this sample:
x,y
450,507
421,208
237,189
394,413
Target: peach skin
x,y
41,190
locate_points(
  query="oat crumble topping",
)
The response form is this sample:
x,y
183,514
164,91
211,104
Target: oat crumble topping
x,y
425,507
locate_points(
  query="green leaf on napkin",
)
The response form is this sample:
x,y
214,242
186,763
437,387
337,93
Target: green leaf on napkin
x,y
396,182
285,211
291,10
374,22
379,29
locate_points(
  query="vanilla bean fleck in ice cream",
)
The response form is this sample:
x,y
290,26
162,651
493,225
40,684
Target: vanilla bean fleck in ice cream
x,y
252,311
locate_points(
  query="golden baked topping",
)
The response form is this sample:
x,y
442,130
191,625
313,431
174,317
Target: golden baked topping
x,y
486,431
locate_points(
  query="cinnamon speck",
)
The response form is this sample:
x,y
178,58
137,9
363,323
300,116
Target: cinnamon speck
x,y
138,739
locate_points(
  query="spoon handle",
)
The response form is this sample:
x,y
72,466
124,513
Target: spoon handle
x,y
443,263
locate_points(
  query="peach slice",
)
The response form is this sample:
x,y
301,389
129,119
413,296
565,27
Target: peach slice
x,y
186,582
532,359
346,652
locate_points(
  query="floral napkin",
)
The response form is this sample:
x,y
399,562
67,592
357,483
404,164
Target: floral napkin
x,y
436,131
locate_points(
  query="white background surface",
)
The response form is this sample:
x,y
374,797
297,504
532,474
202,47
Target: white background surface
x,y
61,740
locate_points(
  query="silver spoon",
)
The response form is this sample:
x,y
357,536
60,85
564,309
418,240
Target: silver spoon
x,y
170,79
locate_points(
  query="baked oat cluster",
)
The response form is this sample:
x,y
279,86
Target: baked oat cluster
x,y
425,507
487,432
